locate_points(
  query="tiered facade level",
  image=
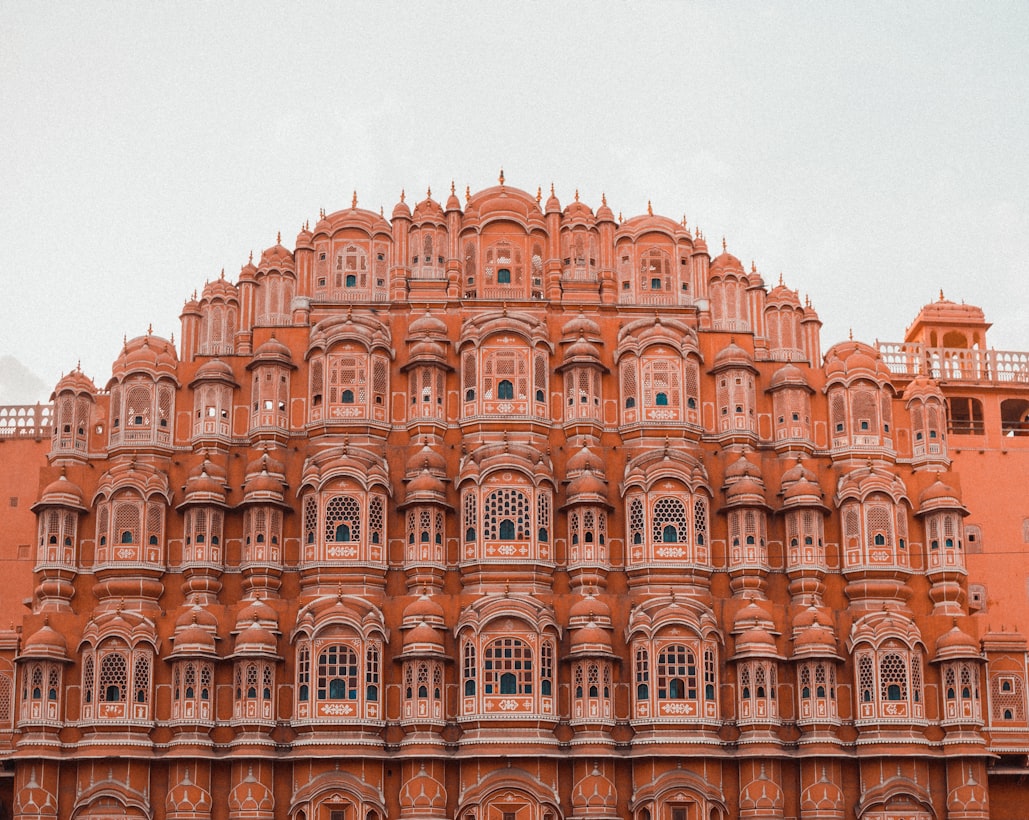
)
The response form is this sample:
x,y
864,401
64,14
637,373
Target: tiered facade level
x,y
504,511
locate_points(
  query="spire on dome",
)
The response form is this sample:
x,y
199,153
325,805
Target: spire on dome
x,y
603,198
500,179
467,194
539,194
428,192
353,202
724,248
402,194
278,237
650,208
451,187
576,194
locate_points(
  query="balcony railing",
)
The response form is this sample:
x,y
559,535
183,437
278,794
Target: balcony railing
x,y
955,364
29,420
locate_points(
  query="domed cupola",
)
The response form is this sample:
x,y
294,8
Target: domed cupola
x,y
206,484
46,643
401,209
428,210
193,639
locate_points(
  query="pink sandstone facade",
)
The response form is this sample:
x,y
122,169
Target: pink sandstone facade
x,y
499,510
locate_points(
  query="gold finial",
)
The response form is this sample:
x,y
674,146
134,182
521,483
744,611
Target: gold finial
x,y
620,217
650,208
501,177
539,194
278,237
402,194
941,294
149,329
576,194
428,192
353,202
451,187
723,245
603,198
467,194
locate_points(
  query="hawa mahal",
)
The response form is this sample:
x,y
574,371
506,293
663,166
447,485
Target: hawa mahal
x,y
503,510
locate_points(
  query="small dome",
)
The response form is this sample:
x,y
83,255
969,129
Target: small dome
x,y
427,325
186,797
589,637
789,375
849,359
812,616
423,635
271,350
193,639
923,387
586,487
263,486
578,212
425,485
427,458
802,490
75,382
147,354
725,262
814,640
304,239
400,210
782,295
582,459
956,644
594,795
255,639
746,490
581,351
277,258
258,611
742,467
553,205
428,210
61,493
503,199
939,496
589,609
732,355
755,642
267,460
797,472
248,272
214,370
219,288
424,609
752,616
196,616
425,350
580,326
453,203
251,798
45,642
604,213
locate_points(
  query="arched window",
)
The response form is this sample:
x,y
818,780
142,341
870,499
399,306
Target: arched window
x,y
337,673
507,666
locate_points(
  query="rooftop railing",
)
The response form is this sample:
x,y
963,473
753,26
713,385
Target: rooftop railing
x,y
912,359
26,420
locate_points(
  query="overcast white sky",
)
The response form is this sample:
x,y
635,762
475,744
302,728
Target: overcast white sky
x,y
872,153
